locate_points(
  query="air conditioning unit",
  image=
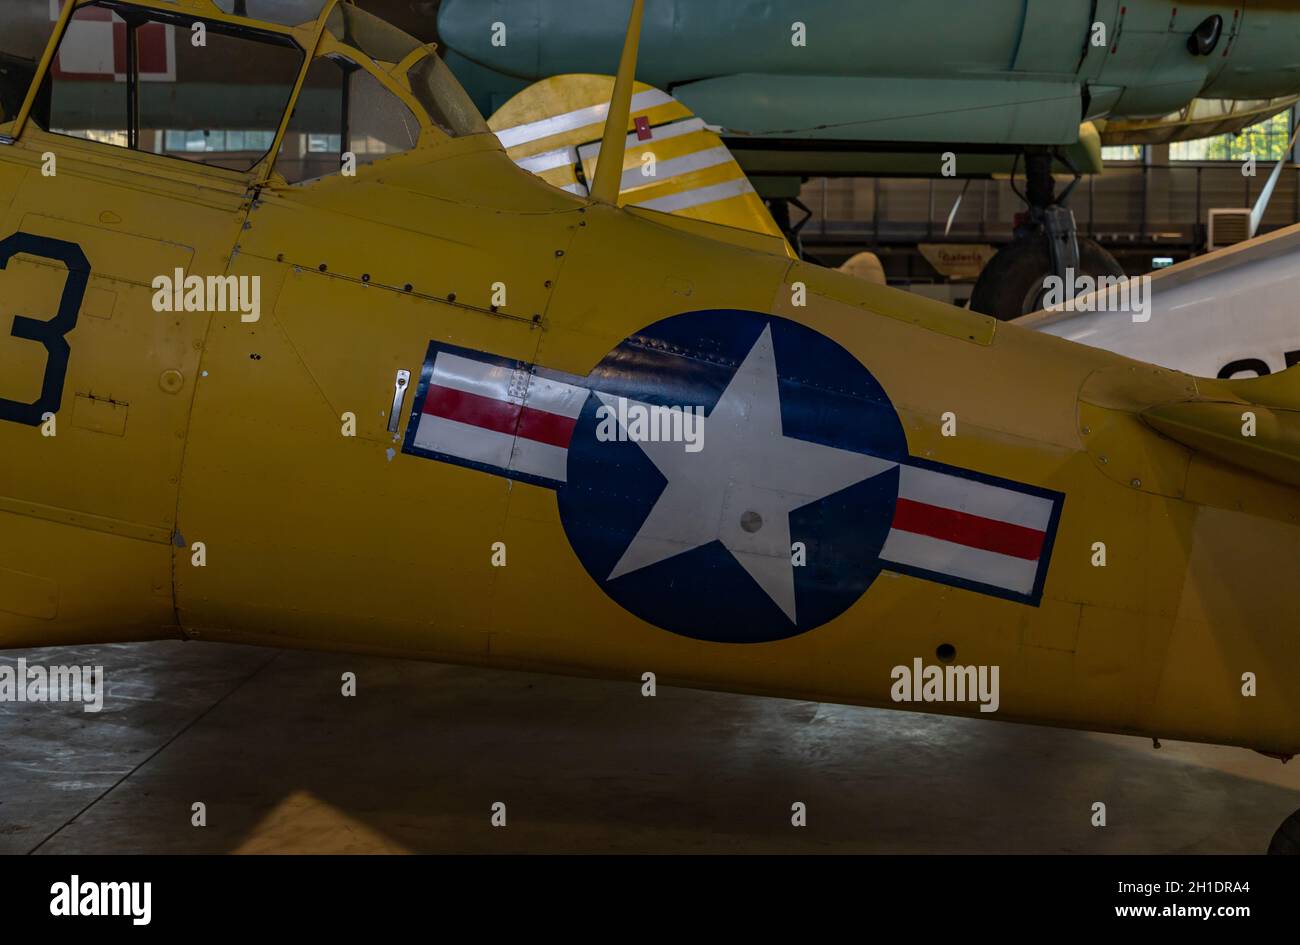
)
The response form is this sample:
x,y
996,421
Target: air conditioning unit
x,y
1228,226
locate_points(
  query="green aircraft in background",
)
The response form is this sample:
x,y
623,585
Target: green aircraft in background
x,y
821,87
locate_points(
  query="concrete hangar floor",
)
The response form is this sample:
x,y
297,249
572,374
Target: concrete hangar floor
x,y
414,762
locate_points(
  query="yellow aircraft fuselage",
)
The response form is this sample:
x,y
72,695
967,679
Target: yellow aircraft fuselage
x,y
203,479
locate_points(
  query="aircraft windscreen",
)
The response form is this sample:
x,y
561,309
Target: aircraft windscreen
x,y
376,38
446,101
432,83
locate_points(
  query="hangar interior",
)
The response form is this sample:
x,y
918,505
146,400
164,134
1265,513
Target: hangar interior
x,y
1150,208
282,758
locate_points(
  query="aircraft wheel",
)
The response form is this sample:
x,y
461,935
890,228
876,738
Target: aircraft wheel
x,y
1011,284
1287,838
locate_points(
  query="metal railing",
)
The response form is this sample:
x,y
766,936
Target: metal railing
x,y
1129,203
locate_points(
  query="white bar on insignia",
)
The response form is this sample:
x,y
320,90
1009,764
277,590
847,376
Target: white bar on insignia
x,y
973,497
675,167
549,160
699,196
576,188
557,397
479,377
578,118
540,459
959,561
440,435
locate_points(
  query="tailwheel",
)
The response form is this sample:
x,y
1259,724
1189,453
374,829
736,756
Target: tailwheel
x,y
1287,838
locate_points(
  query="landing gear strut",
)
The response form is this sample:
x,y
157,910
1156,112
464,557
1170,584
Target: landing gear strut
x,y
1046,244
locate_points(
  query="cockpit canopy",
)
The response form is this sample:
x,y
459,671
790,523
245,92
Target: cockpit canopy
x,y
307,88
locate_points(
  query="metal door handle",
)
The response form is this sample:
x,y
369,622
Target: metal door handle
x,y
399,394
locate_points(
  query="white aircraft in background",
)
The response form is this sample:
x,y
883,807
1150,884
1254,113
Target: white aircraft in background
x,y
1230,313
1234,312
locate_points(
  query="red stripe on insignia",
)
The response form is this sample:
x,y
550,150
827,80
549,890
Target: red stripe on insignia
x,y
546,427
973,531
474,409
500,416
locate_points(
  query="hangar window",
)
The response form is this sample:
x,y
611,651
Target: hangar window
x,y
167,84
1267,140
1122,152
343,109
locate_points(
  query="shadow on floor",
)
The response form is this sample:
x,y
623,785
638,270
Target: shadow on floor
x,y
415,761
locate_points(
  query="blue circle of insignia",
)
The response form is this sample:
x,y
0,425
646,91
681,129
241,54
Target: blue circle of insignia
x,y
826,397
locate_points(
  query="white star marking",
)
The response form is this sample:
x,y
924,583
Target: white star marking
x,y
741,487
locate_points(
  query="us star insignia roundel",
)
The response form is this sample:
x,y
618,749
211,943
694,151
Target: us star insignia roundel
x,y
733,477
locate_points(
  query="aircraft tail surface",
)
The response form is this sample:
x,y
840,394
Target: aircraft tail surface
x,y
672,161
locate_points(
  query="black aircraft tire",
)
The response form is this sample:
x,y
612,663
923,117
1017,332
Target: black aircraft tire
x,y
1287,838
1011,284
